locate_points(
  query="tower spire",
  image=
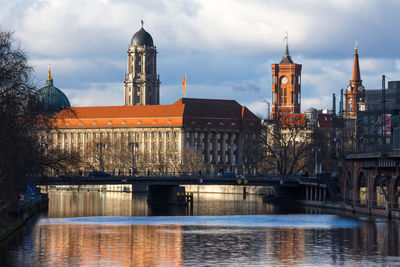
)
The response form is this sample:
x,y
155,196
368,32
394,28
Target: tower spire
x,y
356,66
49,80
287,45
286,58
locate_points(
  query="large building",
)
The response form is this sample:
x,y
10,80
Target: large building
x,y
192,135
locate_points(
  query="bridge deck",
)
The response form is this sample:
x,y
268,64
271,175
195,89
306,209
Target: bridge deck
x,y
176,180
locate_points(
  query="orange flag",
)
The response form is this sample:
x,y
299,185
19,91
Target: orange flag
x,y
184,85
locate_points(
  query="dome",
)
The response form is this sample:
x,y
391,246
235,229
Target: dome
x,y
311,110
142,38
50,98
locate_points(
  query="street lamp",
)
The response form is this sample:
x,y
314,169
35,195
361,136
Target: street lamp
x,y
276,150
101,146
316,149
133,145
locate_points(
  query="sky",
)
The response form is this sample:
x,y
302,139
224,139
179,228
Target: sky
x,y
225,47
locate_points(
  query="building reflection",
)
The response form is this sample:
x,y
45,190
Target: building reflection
x,y
65,204
105,245
285,246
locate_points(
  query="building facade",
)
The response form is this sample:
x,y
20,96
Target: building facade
x,y
189,136
286,86
142,83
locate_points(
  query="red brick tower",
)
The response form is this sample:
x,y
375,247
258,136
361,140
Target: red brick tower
x,y
286,86
355,93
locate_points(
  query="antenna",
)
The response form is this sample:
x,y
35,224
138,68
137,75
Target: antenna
x,y
141,21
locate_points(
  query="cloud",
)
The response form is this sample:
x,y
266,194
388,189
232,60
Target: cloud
x,y
96,95
252,88
225,47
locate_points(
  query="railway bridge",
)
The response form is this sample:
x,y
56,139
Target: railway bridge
x,y
370,182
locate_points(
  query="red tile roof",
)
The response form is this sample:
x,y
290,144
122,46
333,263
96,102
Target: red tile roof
x,y
185,111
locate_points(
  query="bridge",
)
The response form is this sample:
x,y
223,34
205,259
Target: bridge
x,y
370,182
167,187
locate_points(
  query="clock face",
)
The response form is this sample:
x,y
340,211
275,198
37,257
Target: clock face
x,y
361,88
284,80
349,88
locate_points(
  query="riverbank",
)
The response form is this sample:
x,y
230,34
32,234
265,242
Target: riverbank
x,y
11,224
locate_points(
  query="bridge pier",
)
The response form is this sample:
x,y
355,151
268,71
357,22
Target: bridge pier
x,y
166,194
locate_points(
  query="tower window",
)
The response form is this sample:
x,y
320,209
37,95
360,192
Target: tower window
x,y
285,96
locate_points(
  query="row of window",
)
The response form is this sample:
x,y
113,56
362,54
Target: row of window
x,y
131,135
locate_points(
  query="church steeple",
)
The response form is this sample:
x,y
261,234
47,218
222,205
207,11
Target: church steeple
x,y
355,94
356,67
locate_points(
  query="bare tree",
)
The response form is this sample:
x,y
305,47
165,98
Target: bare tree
x,y
284,150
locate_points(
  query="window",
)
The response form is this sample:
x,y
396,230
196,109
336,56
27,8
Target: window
x,y
187,134
162,146
169,145
162,134
66,135
284,96
196,134
146,146
146,134
80,135
139,135
154,145
116,135
176,146
154,134
176,135
169,135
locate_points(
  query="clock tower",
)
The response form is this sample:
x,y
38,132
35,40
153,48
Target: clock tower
x,y
286,86
355,93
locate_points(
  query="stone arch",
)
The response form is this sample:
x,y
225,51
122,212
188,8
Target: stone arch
x,y
362,189
379,191
396,193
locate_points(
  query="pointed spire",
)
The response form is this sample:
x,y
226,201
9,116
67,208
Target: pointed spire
x,y
49,80
287,45
356,66
141,21
286,58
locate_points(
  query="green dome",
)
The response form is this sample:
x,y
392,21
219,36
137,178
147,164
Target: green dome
x,y
50,98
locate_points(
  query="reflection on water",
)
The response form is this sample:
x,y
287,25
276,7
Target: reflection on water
x,y
219,239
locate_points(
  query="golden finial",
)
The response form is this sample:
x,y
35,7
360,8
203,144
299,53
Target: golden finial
x,y
356,47
49,76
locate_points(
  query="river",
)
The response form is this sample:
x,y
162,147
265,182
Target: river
x,y
121,229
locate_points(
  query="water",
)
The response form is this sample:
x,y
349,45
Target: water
x,y
120,229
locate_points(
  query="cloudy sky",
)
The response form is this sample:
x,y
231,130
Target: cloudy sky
x,y
225,47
